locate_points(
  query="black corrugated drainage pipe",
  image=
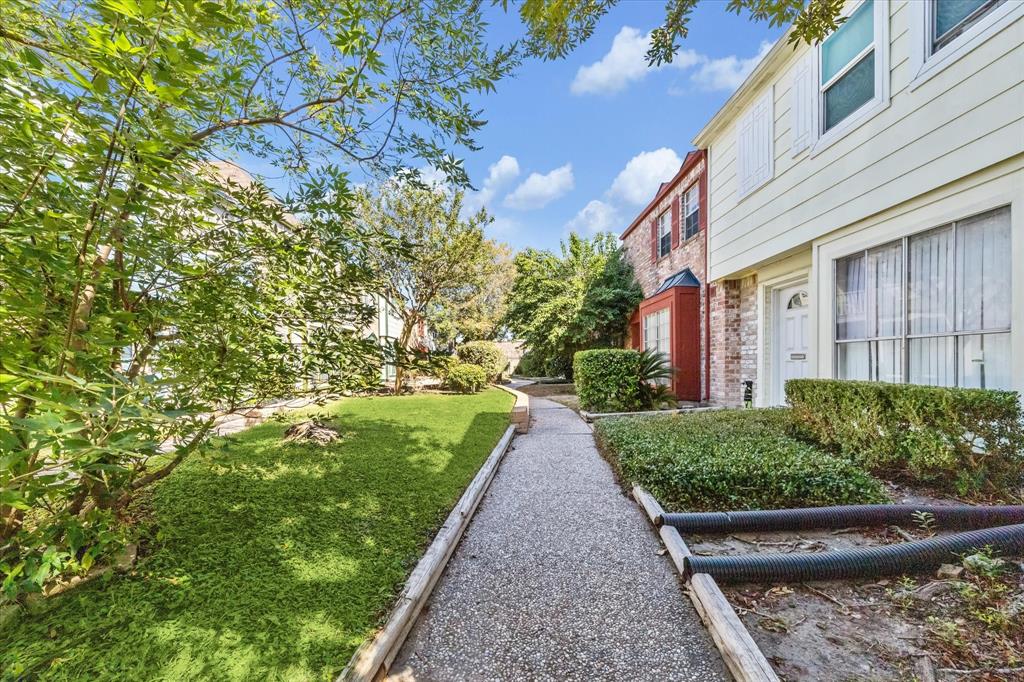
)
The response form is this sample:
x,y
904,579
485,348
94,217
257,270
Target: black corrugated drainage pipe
x,y
955,517
864,562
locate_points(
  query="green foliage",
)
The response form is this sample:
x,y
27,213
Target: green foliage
x,y
655,374
608,379
579,300
968,441
144,287
466,378
731,459
448,260
475,313
530,365
486,354
316,540
556,28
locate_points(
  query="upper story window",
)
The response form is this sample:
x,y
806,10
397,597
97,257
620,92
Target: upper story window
x,y
933,308
942,31
664,234
848,67
951,18
691,211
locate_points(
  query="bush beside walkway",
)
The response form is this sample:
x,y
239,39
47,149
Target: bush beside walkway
x,y
265,560
731,459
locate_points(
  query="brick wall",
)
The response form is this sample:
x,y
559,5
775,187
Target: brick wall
x,y
689,253
733,338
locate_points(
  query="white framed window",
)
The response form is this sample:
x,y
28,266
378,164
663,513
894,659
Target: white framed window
x,y
691,211
656,332
853,65
942,31
932,308
664,234
755,162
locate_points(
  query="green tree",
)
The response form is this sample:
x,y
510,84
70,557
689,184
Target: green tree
x,y
447,259
556,27
139,291
579,300
475,313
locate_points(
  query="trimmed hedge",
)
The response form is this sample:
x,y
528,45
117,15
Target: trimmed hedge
x,y
607,379
731,459
485,354
465,377
958,439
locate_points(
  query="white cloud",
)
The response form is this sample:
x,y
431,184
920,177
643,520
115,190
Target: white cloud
x,y
624,63
499,174
537,191
727,73
640,179
596,216
432,177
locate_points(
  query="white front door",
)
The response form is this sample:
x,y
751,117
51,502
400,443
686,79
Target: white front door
x,y
793,338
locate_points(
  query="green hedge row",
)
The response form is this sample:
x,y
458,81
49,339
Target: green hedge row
x,y
962,440
465,377
607,379
731,459
485,354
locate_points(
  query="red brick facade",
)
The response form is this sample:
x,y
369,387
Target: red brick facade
x,y
727,309
639,243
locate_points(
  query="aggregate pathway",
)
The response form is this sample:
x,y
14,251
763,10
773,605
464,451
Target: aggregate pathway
x,y
558,577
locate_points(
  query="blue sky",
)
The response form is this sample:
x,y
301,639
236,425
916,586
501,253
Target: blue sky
x,y
586,140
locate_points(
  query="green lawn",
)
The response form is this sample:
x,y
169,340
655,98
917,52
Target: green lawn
x,y
270,561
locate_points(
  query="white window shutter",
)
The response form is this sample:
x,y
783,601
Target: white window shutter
x,y
755,148
802,99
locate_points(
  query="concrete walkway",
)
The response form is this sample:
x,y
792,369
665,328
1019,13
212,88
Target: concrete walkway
x,y
558,577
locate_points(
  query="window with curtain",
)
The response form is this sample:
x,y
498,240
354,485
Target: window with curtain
x,y
664,234
848,67
951,18
691,211
933,308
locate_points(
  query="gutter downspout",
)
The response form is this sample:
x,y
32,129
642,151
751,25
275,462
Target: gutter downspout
x,y
707,280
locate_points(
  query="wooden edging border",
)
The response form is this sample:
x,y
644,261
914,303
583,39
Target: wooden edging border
x,y
520,411
592,416
741,654
373,658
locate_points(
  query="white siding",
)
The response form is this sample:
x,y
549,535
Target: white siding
x,y
966,118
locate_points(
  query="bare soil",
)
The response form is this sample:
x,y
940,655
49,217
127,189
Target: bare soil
x,y
964,628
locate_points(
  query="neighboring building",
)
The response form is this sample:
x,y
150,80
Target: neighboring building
x,y
667,246
867,205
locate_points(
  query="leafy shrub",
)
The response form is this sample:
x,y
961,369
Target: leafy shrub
x,y
531,364
963,440
465,377
607,380
486,354
655,370
731,459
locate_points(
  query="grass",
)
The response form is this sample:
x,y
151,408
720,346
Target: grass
x,y
270,561
731,459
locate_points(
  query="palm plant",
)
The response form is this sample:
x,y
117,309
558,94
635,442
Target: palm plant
x,y
655,372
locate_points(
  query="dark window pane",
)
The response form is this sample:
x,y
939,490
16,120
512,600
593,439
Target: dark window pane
x,y
692,224
950,14
851,92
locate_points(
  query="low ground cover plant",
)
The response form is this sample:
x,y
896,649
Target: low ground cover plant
x,y
268,560
465,377
967,441
731,459
485,354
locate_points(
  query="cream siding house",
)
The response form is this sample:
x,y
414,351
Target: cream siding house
x,y
866,208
